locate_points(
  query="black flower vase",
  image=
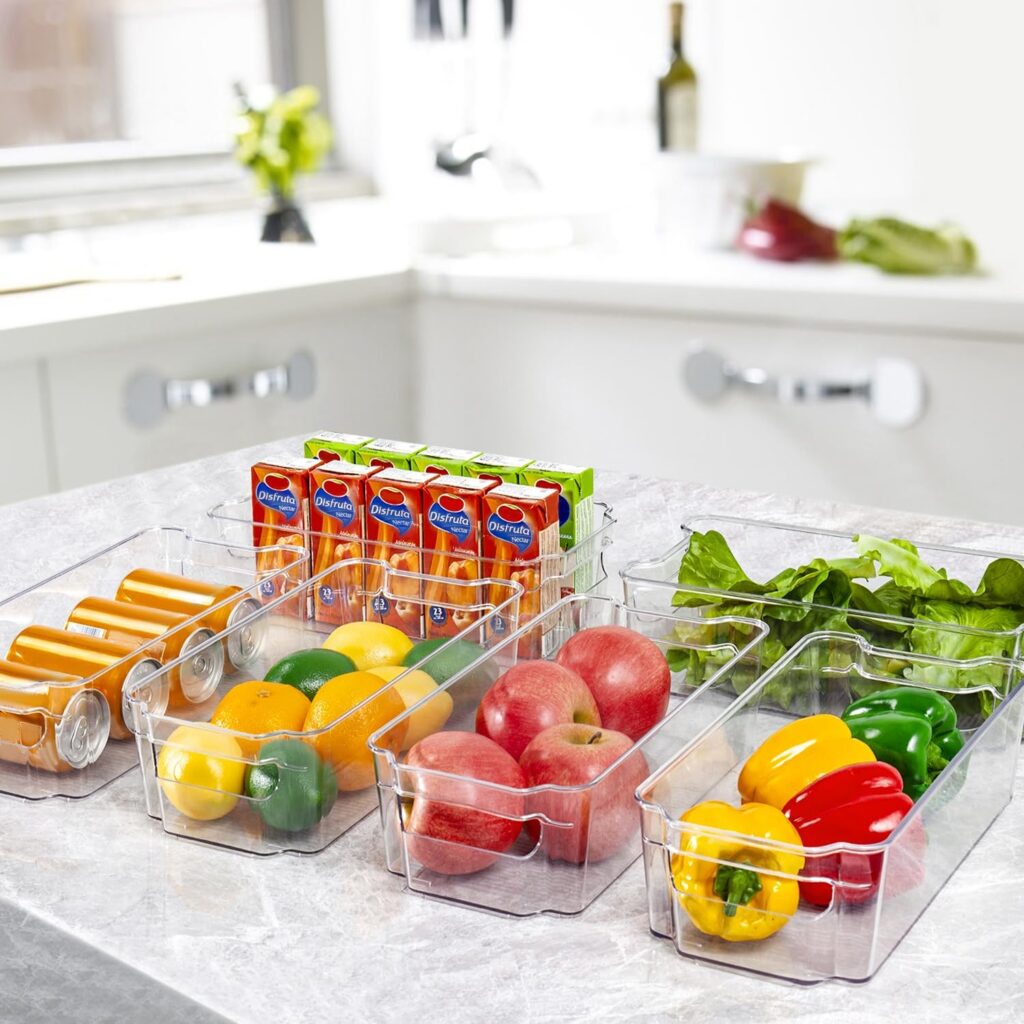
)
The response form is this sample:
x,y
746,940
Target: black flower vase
x,y
285,223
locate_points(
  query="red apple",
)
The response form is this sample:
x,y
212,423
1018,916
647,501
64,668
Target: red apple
x,y
602,818
528,698
454,823
627,674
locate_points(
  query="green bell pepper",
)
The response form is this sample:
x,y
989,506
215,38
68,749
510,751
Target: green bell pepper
x,y
911,728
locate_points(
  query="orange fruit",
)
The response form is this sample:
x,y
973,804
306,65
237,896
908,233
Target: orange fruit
x,y
259,707
344,744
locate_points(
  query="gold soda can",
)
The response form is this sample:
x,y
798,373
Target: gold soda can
x,y
194,680
48,722
221,605
117,668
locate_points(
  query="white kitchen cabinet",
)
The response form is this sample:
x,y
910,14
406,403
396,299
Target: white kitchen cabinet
x,y
606,388
363,381
24,435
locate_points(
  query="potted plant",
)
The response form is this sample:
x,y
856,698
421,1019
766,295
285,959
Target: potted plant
x,y
279,138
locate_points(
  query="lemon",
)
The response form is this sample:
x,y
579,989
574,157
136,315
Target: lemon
x,y
414,687
369,644
196,774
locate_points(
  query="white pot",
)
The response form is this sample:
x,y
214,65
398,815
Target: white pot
x,y
703,198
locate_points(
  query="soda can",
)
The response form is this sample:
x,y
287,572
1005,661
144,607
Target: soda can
x,y
194,680
113,667
49,722
222,607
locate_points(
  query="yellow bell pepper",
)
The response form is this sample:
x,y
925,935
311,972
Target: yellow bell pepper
x,y
797,755
717,878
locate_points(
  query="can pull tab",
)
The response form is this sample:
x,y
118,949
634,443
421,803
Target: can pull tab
x,y
893,389
148,396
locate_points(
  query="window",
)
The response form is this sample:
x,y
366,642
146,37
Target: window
x,y
141,76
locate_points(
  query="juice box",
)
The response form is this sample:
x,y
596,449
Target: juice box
x,y
453,461
280,515
452,543
387,454
506,469
396,501
337,523
327,446
520,536
575,488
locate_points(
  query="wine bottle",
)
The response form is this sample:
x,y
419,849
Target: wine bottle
x,y
677,93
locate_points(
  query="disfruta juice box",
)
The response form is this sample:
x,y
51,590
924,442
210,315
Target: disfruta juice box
x,y
575,488
280,515
387,454
337,525
506,469
452,539
396,500
328,447
453,461
520,535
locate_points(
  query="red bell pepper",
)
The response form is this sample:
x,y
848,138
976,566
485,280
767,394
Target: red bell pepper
x,y
778,231
858,804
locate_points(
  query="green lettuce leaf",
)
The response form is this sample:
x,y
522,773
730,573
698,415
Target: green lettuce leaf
x,y
826,595
959,646
899,560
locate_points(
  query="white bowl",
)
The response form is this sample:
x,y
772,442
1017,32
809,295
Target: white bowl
x,y
703,198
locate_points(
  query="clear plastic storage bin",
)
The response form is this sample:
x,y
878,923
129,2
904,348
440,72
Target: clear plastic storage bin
x,y
765,549
594,827
296,810
543,579
851,937
66,731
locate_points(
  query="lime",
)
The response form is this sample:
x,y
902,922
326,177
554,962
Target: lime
x,y
442,665
308,670
291,788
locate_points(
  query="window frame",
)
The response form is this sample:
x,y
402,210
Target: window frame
x,y
48,185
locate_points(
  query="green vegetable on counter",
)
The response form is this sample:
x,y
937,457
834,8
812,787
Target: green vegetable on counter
x,y
829,595
899,247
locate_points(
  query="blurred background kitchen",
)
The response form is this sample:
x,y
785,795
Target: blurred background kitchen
x,y
529,237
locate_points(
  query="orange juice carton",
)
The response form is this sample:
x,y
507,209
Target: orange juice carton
x,y
394,534
453,461
575,488
505,469
280,515
520,537
337,525
327,447
387,454
452,547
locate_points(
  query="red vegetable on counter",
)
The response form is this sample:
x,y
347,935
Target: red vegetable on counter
x,y
778,231
861,803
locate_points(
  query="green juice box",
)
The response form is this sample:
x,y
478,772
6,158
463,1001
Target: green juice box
x,y
507,469
575,487
387,454
446,461
328,447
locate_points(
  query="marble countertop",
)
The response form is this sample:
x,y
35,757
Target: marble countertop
x,y
104,917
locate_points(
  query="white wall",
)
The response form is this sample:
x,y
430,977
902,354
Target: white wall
x,y
911,105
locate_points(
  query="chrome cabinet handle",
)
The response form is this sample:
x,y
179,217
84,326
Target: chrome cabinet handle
x,y
893,389
148,397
